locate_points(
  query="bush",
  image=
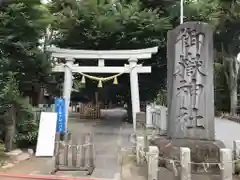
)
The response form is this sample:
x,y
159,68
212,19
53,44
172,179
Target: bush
x,y
27,126
2,154
27,132
1,149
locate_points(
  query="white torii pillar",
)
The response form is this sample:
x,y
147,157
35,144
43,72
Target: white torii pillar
x,y
134,84
67,86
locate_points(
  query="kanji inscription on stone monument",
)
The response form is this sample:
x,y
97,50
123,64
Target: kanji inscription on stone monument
x,y
190,81
190,74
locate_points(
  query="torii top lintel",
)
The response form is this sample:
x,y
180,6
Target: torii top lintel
x,y
106,54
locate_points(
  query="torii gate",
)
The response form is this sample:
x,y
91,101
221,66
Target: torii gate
x,y
133,68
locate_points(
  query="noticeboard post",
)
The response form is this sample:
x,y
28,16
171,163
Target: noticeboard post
x,y
61,115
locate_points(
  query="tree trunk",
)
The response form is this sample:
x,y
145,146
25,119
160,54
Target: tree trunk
x,y
233,100
96,98
10,125
233,88
40,96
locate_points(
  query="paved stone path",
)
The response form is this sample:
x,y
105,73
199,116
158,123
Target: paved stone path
x,y
227,131
110,135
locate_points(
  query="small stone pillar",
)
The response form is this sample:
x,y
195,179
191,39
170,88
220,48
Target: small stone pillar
x,y
163,120
236,155
140,119
236,149
152,160
185,159
140,122
141,128
139,149
149,123
226,166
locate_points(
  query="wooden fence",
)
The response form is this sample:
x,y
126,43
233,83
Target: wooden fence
x,y
89,111
74,153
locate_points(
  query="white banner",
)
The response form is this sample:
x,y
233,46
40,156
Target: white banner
x,y
46,134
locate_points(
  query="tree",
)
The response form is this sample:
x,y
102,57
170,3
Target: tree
x,y
228,43
22,24
224,15
106,25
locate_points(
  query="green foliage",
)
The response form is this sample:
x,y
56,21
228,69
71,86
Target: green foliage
x,y
221,90
91,24
22,24
205,10
9,93
94,24
22,64
27,132
78,85
161,98
27,126
2,154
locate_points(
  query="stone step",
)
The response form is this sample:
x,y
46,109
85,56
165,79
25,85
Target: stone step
x,y
18,155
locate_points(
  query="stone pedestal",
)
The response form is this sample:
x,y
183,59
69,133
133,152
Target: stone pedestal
x,y
201,151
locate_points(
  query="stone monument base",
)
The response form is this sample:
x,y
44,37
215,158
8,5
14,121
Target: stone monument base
x,y
201,151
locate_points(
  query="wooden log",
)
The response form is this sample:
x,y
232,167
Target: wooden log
x,y
65,151
74,152
56,158
82,151
89,151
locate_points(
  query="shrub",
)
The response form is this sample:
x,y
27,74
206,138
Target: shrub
x,y
27,126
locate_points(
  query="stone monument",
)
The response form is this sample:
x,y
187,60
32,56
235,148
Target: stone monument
x,y
190,81
190,120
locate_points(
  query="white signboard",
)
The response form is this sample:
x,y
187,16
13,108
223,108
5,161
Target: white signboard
x,y
46,134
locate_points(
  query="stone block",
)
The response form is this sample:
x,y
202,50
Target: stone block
x,y
22,157
14,152
226,169
140,119
31,152
18,155
7,165
153,161
140,149
201,151
185,159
